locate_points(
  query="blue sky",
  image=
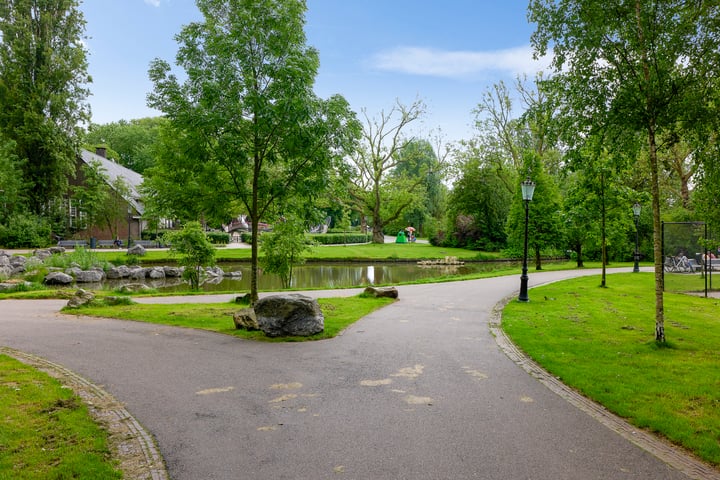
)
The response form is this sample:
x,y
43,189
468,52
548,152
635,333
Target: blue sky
x,y
372,52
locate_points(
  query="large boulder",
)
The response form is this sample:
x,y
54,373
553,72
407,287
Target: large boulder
x,y
136,249
88,276
137,273
389,292
58,278
42,254
289,314
118,272
173,272
155,273
245,319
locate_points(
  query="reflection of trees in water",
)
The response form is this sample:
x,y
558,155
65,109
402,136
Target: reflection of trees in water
x,y
336,275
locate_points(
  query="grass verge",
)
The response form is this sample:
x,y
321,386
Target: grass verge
x,y
601,342
339,313
47,431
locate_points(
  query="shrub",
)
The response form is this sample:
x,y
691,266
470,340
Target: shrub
x,y
194,250
218,238
25,231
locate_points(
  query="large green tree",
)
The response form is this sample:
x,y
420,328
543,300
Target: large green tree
x,y
43,88
638,65
379,187
246,103
133,141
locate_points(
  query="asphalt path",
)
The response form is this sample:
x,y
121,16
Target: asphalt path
x,y
417,390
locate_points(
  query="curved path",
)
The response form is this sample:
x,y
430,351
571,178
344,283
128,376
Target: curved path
x,y
417,390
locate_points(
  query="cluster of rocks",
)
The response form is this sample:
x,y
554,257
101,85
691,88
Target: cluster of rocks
x,y
97,274
11,265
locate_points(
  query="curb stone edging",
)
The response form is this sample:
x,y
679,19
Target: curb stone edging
x,y
662,449
132,446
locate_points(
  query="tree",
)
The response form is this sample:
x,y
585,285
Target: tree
x,y
544,226
194,249
283,249
43,73
11,181
132,141
374,192
247,107
480,197
639,66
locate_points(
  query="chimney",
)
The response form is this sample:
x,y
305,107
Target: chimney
x,y
100,151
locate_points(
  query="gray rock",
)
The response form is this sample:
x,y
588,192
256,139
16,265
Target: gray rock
x,y
57,278
137,273
245,319
18,260
134,288
136,249
236,274
214,271
74,271
55,250
389,292
173,272
4,260
81,297
85,276
118,272
42,254
6,271
155,273
289,314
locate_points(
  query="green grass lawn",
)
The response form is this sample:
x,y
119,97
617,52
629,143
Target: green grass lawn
x,y
601,342
46,430
369,251
338,312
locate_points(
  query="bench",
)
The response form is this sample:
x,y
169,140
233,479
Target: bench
x,y
72,243
145,243
107,244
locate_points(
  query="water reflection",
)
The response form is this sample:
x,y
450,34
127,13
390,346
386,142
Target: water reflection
x,y
314,275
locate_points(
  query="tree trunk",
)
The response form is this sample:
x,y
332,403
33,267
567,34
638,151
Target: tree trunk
x,y
378,235
580,263
657,239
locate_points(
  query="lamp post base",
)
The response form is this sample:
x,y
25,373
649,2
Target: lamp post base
x,y
523,297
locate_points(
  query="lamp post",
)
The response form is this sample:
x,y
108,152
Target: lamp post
x,y
129,220
528,188
636,208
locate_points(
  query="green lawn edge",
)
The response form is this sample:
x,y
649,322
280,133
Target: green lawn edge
x,y
47,430
600,341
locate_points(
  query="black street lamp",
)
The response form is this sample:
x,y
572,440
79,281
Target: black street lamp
x,y
636,214
528,188
130,211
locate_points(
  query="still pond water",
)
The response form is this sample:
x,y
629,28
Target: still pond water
x,y
315,275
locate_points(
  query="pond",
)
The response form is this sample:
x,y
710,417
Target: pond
x,y
316,275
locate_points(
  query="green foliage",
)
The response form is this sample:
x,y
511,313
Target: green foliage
x,y
254,133
339,238
131,142
545,230
218,238
43,78
83,257
194,251
283,249
25,231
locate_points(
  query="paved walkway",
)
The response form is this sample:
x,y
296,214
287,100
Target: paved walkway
x,y
417,390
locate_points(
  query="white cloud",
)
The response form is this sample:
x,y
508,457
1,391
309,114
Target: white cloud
x,y
457,64
153,3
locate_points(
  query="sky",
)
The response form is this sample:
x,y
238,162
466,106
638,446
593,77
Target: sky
x,y
375,53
